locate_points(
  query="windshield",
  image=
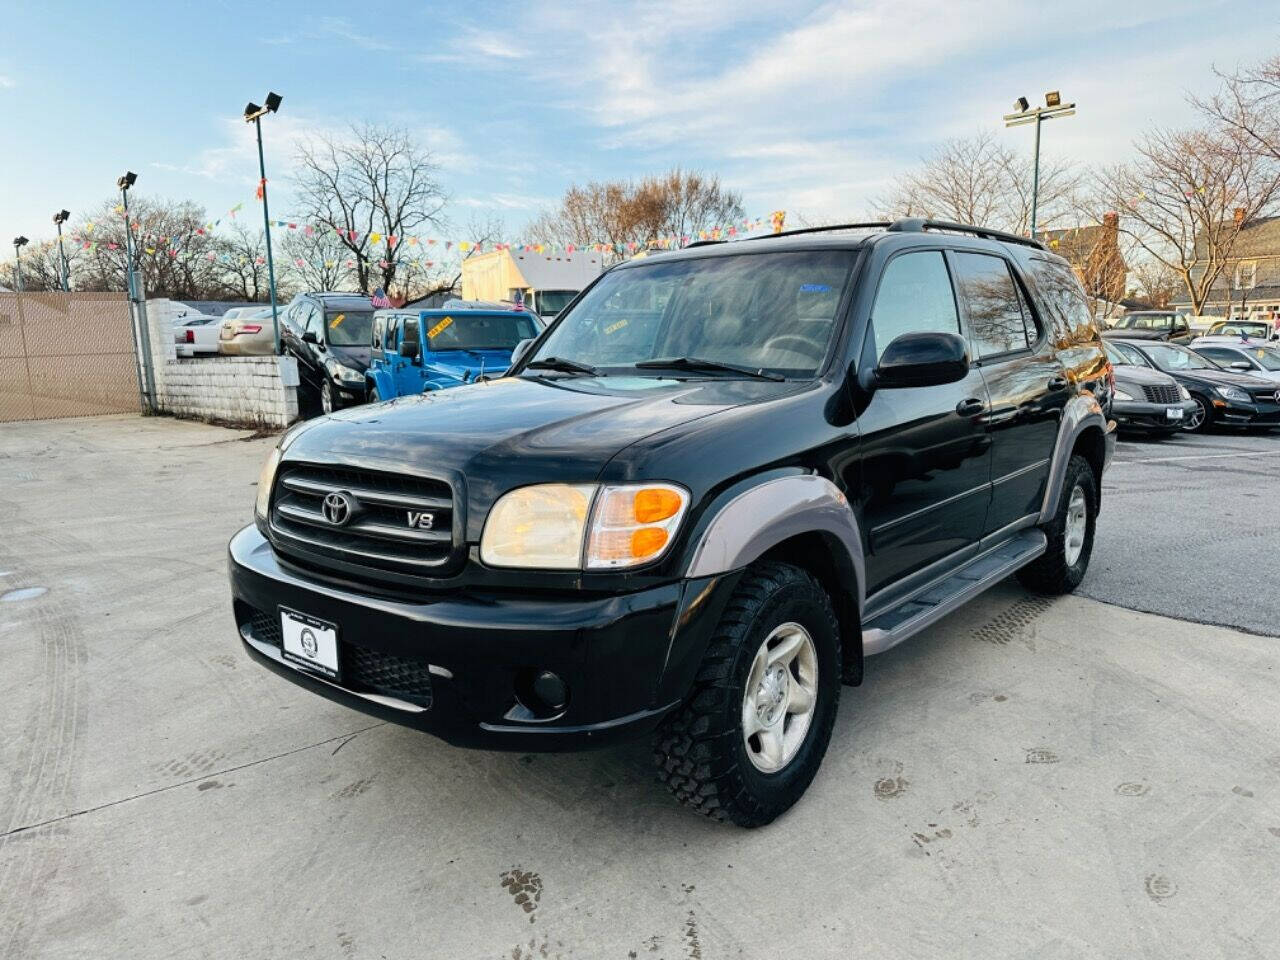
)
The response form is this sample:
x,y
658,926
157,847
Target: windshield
x,y
772,311
1235,329
551,302
348,328
1169,357
1144,321
1267,359
467,330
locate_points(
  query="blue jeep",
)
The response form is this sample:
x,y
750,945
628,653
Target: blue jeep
x,y
416,351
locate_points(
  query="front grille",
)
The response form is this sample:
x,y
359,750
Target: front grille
x,y
365,670
398,523
1265,396
1162,394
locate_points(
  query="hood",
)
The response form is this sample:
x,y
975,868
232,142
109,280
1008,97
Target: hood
x,y
355,357
458,364
1143,376
490,437
1222,377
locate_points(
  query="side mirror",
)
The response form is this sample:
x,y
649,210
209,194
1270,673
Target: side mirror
x,y
309,337
1241,365
411,349
923,360
521,349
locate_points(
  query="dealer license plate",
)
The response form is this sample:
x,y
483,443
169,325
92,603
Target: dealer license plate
x,y
310,643
1173,413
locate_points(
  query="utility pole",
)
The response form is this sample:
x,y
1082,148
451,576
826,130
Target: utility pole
x,y
1054,107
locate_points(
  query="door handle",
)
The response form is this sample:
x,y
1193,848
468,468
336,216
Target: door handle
x,y
970,407
1058,383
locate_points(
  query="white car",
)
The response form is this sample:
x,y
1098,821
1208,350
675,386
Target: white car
x,y
1258,358
196,334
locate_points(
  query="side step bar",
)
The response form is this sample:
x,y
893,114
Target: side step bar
x,y
911,616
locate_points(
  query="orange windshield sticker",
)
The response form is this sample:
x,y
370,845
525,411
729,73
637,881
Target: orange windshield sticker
x,y
431,334
614,327
336,321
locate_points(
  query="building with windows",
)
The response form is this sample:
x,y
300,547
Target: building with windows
x,y
1249,285
546,281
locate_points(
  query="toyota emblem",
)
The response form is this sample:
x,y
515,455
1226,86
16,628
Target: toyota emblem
x,y
337,508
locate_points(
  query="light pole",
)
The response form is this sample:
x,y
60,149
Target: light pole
x,y
137,296
59,219
18,244
1053,107
253,114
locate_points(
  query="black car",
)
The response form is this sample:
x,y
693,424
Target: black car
x,y
1221,396
329,334
1151,325
695,503
1145,399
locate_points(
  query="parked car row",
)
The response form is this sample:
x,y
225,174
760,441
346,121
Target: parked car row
x,y
1164,387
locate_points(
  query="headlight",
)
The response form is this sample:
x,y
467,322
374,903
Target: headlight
x,y
1120,395
538,526
1233,393
345,373
546,526
1183,392
265,479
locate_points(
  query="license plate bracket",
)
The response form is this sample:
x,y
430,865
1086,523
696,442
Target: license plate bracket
x,y
309,643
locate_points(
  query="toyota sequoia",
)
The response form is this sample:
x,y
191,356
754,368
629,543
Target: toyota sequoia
x,y
718,481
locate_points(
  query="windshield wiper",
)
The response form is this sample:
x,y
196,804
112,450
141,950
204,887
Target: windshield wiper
x,y
564,365
700,363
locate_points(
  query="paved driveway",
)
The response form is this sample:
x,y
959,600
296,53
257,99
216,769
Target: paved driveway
x,y
1060,780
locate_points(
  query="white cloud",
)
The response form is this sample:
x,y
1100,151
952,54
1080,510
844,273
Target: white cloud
x,y
343,29
7,83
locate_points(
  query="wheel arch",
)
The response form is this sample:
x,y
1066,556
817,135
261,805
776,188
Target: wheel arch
x,y
1083,429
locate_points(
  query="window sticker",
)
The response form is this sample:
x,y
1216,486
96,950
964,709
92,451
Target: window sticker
x,y
615,327
337,321
814,288
439,328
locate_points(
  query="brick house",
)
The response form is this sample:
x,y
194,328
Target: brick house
x,y
1094,254
1249,285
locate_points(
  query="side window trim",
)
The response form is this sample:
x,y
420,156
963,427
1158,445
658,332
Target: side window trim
x,y
961,326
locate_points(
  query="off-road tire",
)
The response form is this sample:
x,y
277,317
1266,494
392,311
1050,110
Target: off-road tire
x,y
1050,573
373,395
699,748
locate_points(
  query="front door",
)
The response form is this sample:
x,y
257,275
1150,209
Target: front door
x,y
1026,383
409,375
925,472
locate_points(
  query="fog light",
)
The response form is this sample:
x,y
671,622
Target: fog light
x,y
551,690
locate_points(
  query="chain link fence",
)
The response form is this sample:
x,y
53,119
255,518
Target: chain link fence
x,y
66,355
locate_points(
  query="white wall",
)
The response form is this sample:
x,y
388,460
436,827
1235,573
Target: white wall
x,y
245,391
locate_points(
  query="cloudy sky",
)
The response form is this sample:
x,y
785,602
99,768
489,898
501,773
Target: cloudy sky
x,y
803,106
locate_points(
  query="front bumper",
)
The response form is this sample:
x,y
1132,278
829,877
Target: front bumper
x,y
1140,415
626,659
1258,413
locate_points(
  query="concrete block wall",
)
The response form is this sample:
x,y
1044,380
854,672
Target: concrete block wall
x,y
245,391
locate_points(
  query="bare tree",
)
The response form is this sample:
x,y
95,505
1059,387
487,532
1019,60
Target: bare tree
x,y
314,258
434,271
41,266
372,187
244,257
1187,196
977,180
1157,283
1248,104
629,215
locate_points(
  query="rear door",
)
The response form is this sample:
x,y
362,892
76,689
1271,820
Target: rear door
x,y
1025,381
926,466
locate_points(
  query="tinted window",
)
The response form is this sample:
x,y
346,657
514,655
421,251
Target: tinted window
x,y
1060,292
768,311
311,321
1224,357
1170,357
991,304
1131,357
379,326
914,296
349,328
479,331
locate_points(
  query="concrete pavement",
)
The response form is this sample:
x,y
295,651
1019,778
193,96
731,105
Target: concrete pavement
x,y
1031,778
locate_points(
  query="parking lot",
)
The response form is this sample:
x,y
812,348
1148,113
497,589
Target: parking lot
x,y
1092,777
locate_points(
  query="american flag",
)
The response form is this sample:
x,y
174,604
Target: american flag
x,y
379,298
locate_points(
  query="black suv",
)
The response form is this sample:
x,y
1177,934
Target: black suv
x,y
719,480
329,334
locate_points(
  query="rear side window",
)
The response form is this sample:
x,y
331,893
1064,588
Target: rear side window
x,y
1060,291
379,327
914,296
991,304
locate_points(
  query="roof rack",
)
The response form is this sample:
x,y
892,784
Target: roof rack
x,y
906,225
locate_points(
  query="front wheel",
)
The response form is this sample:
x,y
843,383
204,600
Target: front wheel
x,y
748,741
326,397
374,396
1199,419
1070,533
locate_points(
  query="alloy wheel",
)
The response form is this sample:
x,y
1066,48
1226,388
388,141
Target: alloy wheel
x,y
1077,525
1195,418
326,397
780,697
